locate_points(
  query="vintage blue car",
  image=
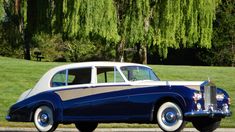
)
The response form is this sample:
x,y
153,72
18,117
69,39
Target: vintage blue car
x,y
105,92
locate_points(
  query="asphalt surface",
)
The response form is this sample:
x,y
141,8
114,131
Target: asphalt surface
x,y
5,129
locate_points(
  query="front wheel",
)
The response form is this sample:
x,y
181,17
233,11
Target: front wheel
x,y
43,119
170,117
206,124
86,126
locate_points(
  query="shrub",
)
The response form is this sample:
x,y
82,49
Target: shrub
x,y
52,47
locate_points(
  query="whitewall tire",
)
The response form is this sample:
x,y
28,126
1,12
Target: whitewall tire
x,y
43,119
170,117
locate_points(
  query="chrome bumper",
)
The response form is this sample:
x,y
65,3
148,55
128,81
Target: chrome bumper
x,y
211,114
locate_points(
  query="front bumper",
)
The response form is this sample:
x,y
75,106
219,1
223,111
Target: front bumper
x,y
18,114
211,114
18,118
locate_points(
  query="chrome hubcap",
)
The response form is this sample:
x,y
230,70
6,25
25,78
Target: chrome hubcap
x,y
169,117
43,119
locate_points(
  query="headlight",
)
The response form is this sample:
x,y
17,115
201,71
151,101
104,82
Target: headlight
x,y
199,106
220,96
197,96
225,108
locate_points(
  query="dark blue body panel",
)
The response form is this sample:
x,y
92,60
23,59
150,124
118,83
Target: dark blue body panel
x,y
131,105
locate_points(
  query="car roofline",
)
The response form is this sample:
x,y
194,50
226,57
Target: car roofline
x,y
96,64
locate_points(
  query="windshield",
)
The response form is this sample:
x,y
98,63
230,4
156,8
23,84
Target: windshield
x,y
138,73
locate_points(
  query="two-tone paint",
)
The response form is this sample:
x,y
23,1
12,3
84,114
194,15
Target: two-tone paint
x,y
124,103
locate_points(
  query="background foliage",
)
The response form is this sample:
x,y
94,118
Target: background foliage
x,y
222,51
223,48
115,29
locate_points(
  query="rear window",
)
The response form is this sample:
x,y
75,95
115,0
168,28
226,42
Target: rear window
x,y
59,79
72,77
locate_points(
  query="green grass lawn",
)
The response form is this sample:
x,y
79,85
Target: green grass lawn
x,y
17,76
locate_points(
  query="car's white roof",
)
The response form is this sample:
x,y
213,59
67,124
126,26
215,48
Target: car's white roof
x,y
97,64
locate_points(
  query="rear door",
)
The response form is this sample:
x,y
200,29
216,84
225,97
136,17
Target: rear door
x,y
75,89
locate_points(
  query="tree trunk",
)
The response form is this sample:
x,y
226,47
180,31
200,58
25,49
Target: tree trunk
x,y
144,55
140,56
24,34
120,52
17,7
27,39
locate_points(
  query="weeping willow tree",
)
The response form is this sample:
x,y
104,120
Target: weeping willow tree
x,y
127,23
87,18
92,22
133,24
75,19
183,23
165,23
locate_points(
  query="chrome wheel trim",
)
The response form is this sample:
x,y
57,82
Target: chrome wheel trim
x,y
169,116
43,119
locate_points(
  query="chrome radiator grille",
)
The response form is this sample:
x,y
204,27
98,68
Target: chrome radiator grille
x,y
210,97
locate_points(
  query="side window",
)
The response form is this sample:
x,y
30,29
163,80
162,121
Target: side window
x,y
72,77
79,76
59,79
108,75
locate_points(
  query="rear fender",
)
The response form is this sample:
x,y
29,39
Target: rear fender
x,y
51,100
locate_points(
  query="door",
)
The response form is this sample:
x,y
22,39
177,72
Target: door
x,y
110,100
73,88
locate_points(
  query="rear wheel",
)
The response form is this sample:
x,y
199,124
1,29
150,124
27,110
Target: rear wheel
x,y
86,126
43,119
206,124
170,117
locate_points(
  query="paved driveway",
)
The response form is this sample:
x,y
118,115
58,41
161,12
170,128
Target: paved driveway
x,y
3,129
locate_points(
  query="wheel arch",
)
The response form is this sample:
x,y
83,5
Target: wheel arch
x,y
179,101
39,104
47,99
